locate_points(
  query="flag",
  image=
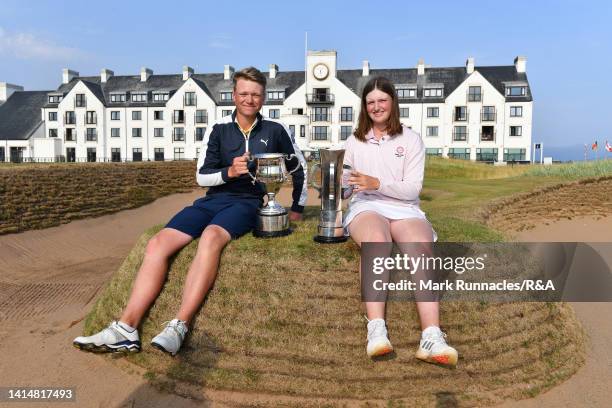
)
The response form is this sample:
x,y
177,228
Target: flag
x,y
608,147
594,146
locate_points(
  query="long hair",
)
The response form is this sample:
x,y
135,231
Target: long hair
x,y
364,123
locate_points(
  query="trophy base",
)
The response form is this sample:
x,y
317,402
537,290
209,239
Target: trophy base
x,y
329,240
271,234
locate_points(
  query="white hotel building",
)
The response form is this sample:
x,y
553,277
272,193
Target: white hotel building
x,y
468,112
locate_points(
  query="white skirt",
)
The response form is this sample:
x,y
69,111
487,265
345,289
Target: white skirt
x,y
386,209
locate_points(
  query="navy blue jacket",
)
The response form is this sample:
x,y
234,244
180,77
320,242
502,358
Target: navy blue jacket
x,y
224,141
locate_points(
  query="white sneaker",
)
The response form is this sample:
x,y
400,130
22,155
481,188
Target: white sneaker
x,y
433,348
171,338
378,342
115,338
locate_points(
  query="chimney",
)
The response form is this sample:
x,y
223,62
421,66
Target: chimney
x,y
421,67
273,70
228,72
365,69
68,74
6,90
145,73
469,65
187,72
520,63
105,74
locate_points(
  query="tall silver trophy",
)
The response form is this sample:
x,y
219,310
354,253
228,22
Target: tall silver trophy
x,y
330,228
272,218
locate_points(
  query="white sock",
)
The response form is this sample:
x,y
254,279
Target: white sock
x,y
430,330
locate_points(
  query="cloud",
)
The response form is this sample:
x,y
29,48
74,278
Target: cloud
x,y
220,41
28,46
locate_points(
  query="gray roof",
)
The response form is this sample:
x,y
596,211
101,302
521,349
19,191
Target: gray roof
x,y
21,114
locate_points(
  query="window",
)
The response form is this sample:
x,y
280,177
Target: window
x,y
79,101
158,154
292,130
486,155
433,152
297,111
431,131
516,111
302,130
201,116
487,134
345,132
488,114
197,153
70,154
226,112
274,113
346,114
117,97
432,92
461,114
115,115
70,118
70,135
2,154
158,115
137,154
433,112
91,135
516,130
474,94
514,154
404,112
52,132
115,132
226,96
276,95
179,153
161,96
52,116
139,97
320,133
55,98
115,154
516,90
178,117
91,154
190,99
462,154
136,132
136,115
404,93
460,133
90,118
178,134
158,132
199,133
320,115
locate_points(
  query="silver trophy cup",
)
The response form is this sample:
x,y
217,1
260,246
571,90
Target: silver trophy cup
x,y
330,228
272,218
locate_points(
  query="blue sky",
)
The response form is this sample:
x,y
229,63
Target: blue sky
x,y
568,44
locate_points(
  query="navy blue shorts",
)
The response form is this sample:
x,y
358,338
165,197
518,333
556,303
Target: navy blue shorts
x,y
237,215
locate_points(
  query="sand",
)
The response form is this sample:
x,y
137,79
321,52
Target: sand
x,y
52,277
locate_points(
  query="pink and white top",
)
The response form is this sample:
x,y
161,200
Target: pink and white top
x,y
398,163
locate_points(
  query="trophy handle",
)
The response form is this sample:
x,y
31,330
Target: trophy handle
x,y
250,160
292,156
312,180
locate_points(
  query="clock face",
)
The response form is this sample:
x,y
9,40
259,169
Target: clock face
x,y
320,71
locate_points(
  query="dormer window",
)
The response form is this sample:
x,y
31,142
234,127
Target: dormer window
x,y
432,92
406,93
226,96
117,97
139,97
161,96
276,95
55,98
516,91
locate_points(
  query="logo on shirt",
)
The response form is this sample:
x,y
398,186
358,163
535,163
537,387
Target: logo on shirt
x,y
399,151
264,141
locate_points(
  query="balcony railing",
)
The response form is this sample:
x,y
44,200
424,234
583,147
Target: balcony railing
x,y
320,135
320,98
320,117
488,116
461,118
488,136
460,136
201,119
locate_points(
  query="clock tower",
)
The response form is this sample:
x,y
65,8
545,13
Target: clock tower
x,y
321,69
